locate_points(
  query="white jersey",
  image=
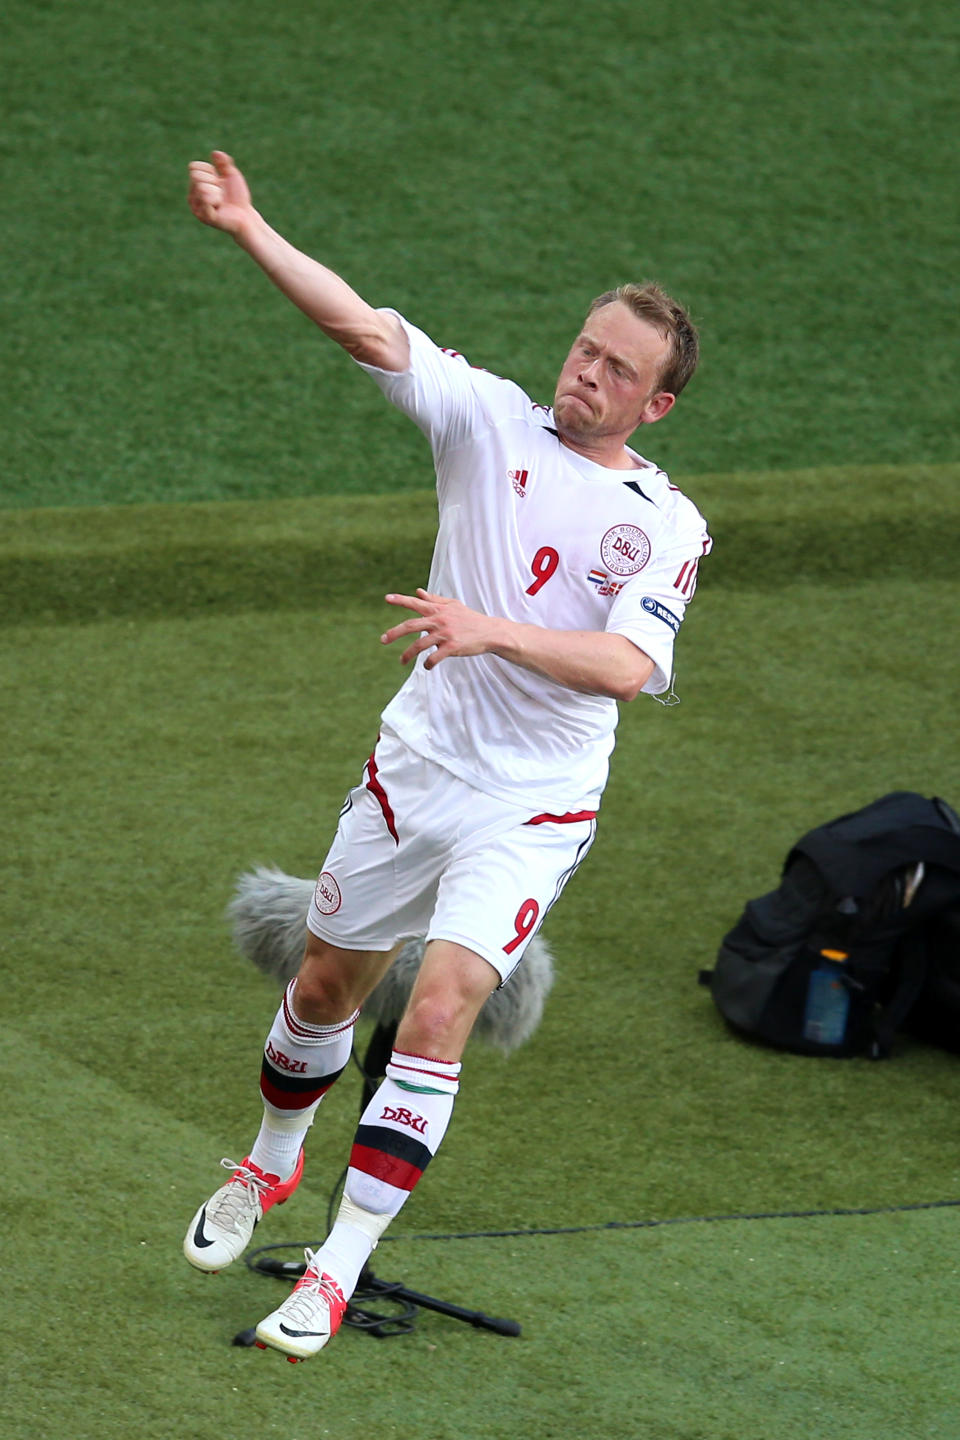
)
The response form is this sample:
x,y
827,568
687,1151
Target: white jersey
x,y
532,531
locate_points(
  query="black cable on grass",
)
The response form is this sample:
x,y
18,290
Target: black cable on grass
x,y
682,1220
289,1268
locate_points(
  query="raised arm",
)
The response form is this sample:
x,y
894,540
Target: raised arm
x,y
219,196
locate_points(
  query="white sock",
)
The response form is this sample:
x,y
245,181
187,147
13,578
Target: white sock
x,y
300,1063
399,1133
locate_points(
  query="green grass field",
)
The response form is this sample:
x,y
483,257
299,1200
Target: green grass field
x,y
202,508
786,170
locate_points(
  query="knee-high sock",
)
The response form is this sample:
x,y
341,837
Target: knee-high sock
x,y
399,1133
300,1063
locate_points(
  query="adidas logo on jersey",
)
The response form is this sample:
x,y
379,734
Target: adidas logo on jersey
x,y
518,479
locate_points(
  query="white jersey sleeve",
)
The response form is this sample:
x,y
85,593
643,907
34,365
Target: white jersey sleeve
x,y
650,609
442,393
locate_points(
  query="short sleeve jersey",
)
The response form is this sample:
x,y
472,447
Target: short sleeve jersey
x,y
532,531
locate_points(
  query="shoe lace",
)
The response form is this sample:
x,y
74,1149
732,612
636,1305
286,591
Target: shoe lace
x,y
300,1306
234,1203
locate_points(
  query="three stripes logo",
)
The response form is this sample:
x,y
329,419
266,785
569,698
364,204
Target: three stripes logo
x,y
518,479
686,581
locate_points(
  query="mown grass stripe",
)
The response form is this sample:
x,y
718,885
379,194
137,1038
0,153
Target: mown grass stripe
x,y
179,560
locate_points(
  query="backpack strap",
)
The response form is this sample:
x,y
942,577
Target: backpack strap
x,y
947,814
913,962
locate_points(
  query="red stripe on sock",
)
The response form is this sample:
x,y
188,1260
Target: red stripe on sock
x,y
430,1059
399,1173
451,1076
292,1099
301,1030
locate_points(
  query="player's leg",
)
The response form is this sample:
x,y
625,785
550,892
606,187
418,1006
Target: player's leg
x,y
399,1133
495,880
309,1045
365,898
306,1050
498,885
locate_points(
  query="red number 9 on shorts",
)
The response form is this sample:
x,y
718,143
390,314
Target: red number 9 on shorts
x,y
527,917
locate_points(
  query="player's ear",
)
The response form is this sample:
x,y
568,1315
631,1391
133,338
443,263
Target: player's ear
x,y
656,407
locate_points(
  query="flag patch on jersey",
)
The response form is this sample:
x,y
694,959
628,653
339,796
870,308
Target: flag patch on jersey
x,y
605,586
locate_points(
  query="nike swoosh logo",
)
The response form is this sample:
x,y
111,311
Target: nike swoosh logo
x,y
199,1239
301,1334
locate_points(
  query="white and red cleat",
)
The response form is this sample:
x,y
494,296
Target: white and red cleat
x,y
221,1229
309,1316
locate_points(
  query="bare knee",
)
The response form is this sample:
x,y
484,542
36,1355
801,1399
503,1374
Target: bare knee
x,y
432,1025
447,997
321,997
333,983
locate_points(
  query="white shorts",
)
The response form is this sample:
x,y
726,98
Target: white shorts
x,y
420,852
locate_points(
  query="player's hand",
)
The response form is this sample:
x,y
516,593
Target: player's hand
x,y
442,625
218,193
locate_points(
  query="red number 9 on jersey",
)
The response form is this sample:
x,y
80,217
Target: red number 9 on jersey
x,y
544,565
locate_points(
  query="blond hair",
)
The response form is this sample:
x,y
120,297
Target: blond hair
x,y
651,303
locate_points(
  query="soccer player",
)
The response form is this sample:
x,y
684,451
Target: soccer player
x,y
563,565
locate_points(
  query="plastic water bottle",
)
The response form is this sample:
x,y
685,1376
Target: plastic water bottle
x,y
828,1001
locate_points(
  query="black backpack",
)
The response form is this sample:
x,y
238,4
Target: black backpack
x,y
861,938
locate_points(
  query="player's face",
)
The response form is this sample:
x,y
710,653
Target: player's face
x,y
608,383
